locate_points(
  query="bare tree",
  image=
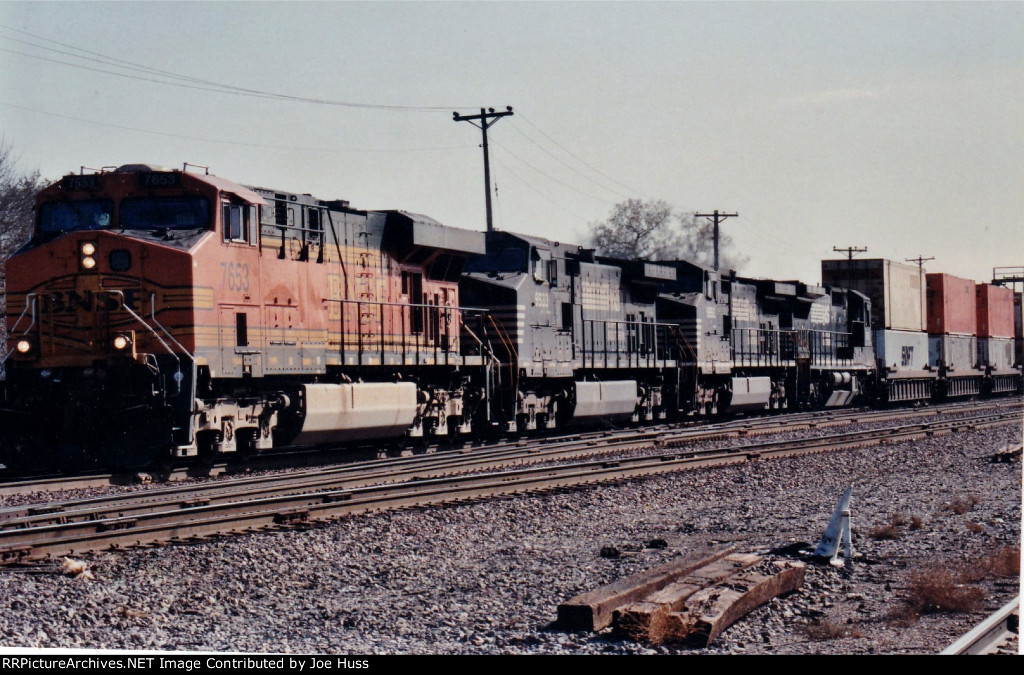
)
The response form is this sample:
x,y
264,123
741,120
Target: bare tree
x,y
638,229
652,231
17,200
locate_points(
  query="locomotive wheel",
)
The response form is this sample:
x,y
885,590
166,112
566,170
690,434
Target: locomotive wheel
x,y
245,440
207,441
419,446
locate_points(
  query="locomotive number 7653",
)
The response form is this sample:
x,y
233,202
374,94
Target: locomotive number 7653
x,y
236,276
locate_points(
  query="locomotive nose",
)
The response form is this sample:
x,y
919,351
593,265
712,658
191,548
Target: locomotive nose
x,y
89,312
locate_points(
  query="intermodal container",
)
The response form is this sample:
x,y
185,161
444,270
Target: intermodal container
x,y
951,305
955,353
897,291
902,351
996,352
995,311
1018,328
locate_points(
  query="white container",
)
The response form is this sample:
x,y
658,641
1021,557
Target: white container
x,y
897,291
957,353
902,351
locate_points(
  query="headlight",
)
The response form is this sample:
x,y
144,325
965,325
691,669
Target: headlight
x,y
122,342
86,251
24,346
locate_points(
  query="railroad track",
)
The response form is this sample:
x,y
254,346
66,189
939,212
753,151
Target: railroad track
x,y
74,528
361,474
990,636
694,431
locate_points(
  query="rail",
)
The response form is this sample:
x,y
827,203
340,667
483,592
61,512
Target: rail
x,y
986,637
743,427
65,534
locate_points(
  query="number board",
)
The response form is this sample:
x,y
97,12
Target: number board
x,y
82,183
159,179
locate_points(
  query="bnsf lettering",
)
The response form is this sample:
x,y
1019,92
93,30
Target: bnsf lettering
x,y
69,302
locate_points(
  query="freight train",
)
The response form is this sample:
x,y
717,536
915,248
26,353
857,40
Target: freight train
x,y
158,315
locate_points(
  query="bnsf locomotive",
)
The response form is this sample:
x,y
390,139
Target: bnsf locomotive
x,y
160,314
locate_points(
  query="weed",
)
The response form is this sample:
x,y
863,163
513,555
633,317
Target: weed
x,y
935,589
1002,562
884,532
898,518
826,630
962,505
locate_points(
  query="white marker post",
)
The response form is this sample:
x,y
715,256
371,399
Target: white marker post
x,y
838,531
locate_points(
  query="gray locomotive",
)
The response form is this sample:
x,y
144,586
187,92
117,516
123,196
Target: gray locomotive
x,y
582,338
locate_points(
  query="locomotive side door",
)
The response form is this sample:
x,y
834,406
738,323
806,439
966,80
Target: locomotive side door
x,y
240,340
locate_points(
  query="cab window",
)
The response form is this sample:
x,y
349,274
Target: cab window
x,y
94,214
173,213
235,218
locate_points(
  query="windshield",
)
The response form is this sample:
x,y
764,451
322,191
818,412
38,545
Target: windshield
x,y
165,212
68,216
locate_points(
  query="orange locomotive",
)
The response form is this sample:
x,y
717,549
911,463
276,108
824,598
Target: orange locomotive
x,y
160,313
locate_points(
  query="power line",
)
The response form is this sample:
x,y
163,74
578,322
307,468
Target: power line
x,y
228,142
567,165
196,83
105,60
537,192
547,175
577,158
795,245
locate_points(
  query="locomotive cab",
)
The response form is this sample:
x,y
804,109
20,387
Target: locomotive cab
x,y
97,301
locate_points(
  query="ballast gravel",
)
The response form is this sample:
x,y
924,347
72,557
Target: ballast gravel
x,y
487,577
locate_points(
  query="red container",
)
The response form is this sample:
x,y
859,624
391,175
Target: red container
x,y
951,305
995,311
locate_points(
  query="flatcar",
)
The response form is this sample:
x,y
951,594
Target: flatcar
x,y
936,336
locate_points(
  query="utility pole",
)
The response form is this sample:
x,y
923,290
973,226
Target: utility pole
x,y
487,119
850,251
716,218
920,260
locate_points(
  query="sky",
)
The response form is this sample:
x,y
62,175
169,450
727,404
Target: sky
x,y
893,126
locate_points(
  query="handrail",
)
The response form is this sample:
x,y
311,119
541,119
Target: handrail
x,y
384,303
14,328
134,315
